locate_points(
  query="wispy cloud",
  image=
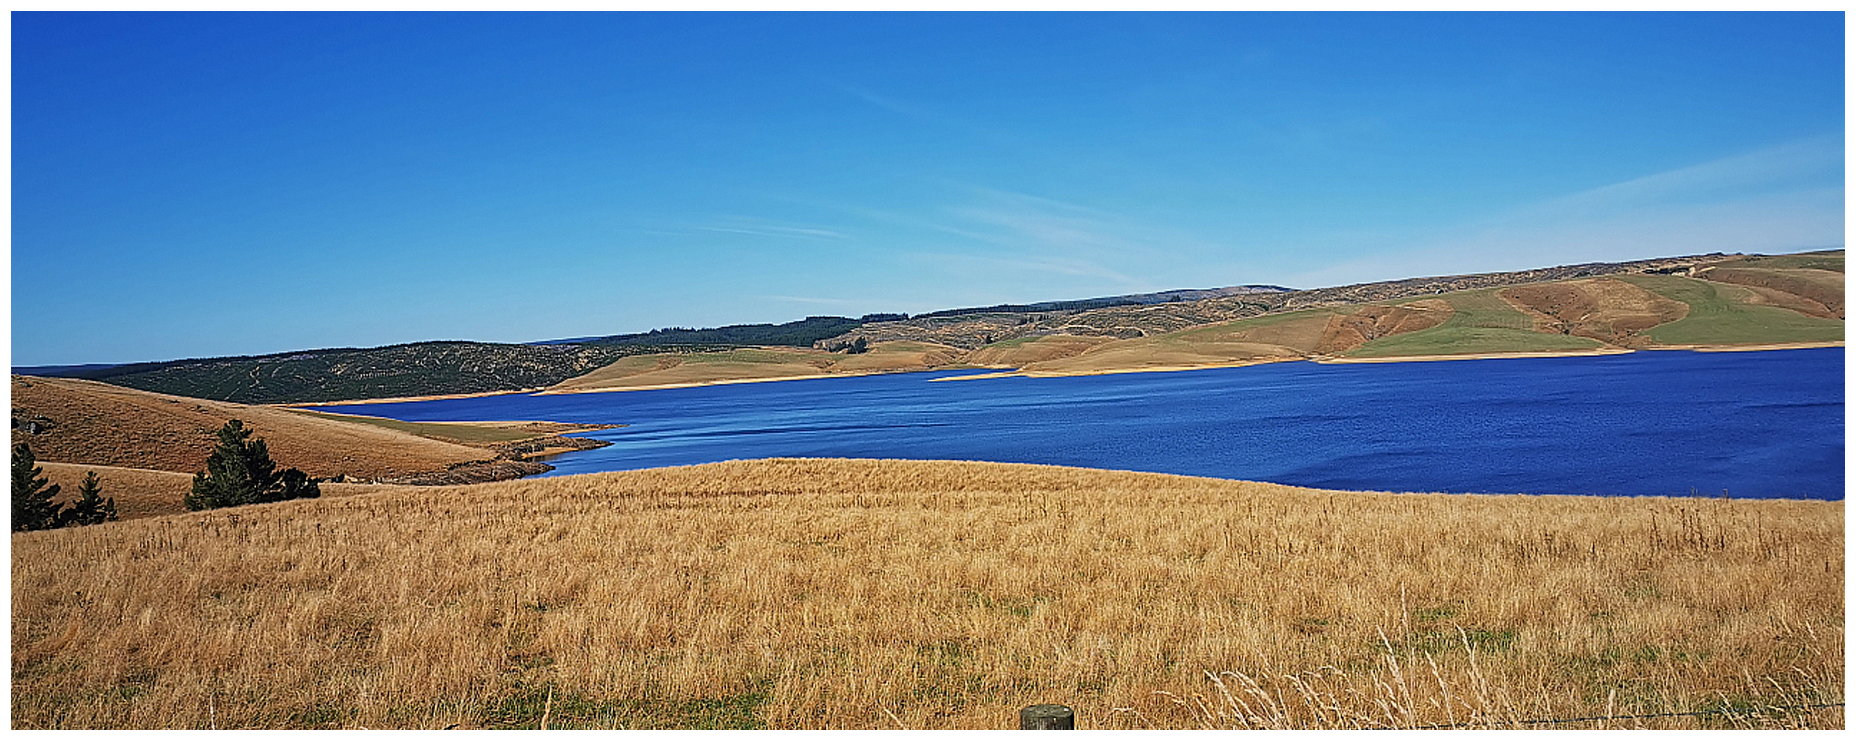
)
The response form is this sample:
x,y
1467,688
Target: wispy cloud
x,y
776,231
982,264
1780,167
759,227
884,102
1023,246
1783,198
931,115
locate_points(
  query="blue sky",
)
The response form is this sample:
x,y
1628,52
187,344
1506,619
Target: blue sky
x,y
192,185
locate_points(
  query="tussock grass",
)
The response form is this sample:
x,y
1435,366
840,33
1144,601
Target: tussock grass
x,y
872,594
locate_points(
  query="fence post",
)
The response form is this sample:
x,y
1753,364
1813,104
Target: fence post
x,y
1047,718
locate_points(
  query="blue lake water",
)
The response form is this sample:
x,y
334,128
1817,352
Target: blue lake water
x,y
1751,424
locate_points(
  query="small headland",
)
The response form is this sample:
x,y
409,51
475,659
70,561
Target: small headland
x,y
120,431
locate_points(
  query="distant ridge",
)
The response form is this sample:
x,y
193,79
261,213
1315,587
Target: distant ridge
x,y
1136,299
801,333
1689,301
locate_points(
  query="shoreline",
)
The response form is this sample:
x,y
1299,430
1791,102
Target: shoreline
x,y
1117,371
1593,353
551,391
693,384
1329,360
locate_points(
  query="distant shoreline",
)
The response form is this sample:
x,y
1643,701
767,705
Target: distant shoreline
x,y
551,391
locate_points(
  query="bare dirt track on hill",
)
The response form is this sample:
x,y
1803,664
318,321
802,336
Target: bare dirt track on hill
x,y
880,594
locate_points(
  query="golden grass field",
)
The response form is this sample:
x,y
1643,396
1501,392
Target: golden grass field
x,y
102,425
142,493
883,594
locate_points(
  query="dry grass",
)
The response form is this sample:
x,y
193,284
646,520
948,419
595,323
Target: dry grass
x,y
867,594
102,425
1017,353
144,493
462,433
1605,309
756,364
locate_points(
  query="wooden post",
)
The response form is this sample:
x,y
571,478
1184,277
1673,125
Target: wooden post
x,y
1047,718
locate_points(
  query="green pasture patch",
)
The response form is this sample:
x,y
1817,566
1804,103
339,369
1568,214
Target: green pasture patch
x,y
1719,314
1481,323
462,433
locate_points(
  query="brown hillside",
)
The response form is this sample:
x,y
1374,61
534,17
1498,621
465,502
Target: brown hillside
x,y
1019,353
1162,353
1603,309
92,423
886,357
755,364
1348,331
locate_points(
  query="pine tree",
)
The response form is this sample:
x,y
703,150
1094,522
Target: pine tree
x,y
90,508
33,508
240,471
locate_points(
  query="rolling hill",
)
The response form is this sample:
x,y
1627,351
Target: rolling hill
x,y
1717,302
1695,301
87,423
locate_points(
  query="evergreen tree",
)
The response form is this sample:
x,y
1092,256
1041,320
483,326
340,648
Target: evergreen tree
x,y
33,508
90,508
240,471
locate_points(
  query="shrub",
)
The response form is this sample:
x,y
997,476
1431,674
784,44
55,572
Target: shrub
x,y
33,508
240,471
90,508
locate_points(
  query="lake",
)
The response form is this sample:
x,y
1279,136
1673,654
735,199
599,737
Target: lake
x,y
1745,424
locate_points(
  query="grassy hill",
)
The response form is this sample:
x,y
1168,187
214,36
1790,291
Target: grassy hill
x,y
96,424
1705,301
885,594
1700,300
1770,302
